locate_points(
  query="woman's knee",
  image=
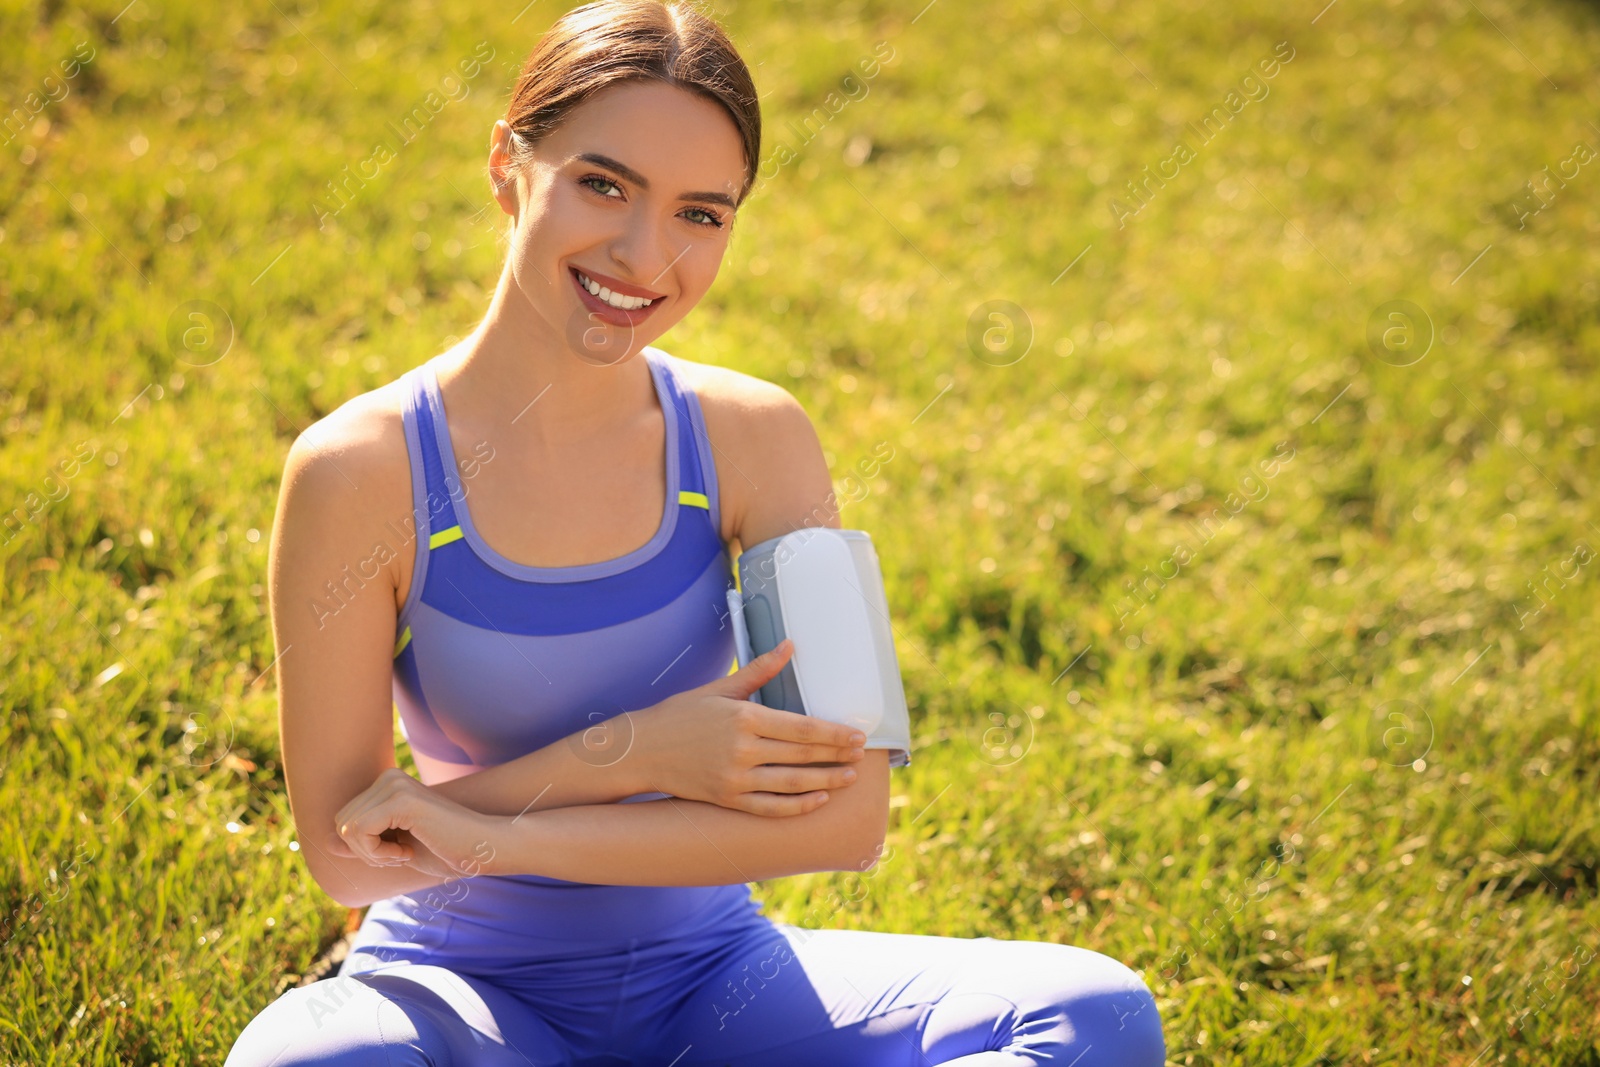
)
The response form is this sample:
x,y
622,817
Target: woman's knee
x,y
1100,1002
338,1022
1133,1022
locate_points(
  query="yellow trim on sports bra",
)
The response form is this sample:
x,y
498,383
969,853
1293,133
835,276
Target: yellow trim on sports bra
x,y
444,537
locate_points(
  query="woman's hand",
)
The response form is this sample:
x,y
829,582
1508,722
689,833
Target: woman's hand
x,y
713,744
398,821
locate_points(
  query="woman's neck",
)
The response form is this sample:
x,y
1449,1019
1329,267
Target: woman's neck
x,y
517,374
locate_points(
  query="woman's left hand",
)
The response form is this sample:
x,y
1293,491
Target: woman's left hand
x,y
398,821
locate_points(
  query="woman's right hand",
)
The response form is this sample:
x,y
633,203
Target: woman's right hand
x,y
713,744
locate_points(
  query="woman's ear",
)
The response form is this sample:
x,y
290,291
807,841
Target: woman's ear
x,y
502,172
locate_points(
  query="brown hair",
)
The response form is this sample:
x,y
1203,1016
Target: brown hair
x,y
610,41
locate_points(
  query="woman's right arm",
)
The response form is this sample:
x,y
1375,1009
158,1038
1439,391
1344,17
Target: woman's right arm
x,y
334,625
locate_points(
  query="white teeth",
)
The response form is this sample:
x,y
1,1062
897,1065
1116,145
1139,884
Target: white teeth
x,y
616,300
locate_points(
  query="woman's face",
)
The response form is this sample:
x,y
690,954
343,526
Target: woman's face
x,y
634,192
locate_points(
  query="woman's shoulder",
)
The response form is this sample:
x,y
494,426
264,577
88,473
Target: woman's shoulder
x,y
777,448
742,401
363,429
357,450
346,477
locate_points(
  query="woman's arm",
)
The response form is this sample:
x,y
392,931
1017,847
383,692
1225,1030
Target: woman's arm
x,y
656,842
554,776
334,622
685,842
781,484
705,744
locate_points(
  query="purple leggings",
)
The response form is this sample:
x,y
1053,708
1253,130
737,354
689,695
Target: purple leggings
x,y
751,993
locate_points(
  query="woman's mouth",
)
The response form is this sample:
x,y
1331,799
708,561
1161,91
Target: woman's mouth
x,y
611,307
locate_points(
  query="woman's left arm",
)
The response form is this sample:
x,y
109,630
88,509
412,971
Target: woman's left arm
x,y
781,483
687,842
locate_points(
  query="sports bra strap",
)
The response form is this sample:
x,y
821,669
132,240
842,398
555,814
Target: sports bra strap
x,y
441,522
441,513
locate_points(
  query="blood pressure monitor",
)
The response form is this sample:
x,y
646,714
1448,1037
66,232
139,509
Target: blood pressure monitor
x,y
822,588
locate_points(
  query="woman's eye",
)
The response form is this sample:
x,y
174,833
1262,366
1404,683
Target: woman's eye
x,y
593,181
603,181
709,219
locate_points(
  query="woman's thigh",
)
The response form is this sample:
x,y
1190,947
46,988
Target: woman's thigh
x,y
790,995
403,1015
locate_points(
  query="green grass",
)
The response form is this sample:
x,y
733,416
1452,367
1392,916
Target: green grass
x,y
1212,787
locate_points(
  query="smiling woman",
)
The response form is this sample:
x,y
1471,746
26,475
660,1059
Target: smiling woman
x,y
568,880
584,190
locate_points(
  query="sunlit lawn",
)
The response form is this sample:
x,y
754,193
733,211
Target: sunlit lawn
x,y
1241,554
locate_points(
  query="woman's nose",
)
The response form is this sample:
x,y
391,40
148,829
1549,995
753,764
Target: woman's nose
x,y
644,250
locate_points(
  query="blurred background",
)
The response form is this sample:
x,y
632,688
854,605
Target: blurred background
x,y
1235,368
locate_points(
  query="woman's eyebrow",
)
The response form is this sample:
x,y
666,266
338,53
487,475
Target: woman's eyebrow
x,y
644,183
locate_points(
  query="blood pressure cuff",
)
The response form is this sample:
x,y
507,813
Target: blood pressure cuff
x,y
822,588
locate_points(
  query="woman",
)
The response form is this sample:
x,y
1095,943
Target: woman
x,y
490,541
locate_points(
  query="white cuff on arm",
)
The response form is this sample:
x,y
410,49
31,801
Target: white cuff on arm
x,y
823,589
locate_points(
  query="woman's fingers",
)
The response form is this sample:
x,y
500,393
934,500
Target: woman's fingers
x,y
358,839
780,804
781,725
337,847
795,781
769,751
755,674
375,795
374,812
380,852
789,738
363,833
